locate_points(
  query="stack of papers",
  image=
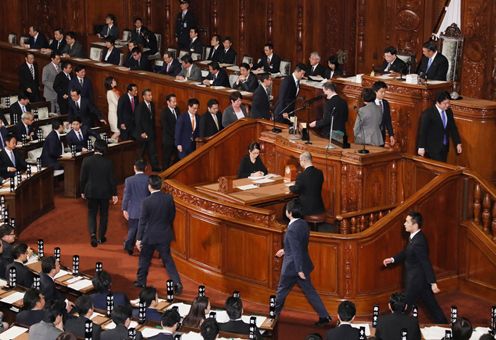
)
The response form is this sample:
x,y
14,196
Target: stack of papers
x,y
247,187
60,274
433,332
80,285
12,298
263,180
13,332
112,325
183,308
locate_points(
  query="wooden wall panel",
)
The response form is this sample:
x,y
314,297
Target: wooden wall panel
x,y
205,244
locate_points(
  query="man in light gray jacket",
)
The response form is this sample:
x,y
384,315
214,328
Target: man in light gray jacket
x,y
50,71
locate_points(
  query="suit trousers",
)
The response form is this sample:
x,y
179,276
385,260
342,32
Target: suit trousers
x,y
425,294
126,134
439,156
145,258
96,205
286,282
148,148
170,155
132,225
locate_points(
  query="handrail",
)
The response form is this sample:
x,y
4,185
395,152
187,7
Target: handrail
x,y
357,221
486,185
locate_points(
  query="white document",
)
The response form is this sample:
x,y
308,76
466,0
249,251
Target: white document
x,y
258,322
14,297
3,283
81,284
13,332
74,279
247,187
148,332
94,315
358,325
61,273
103,64
112,325
183,308
433,332
478,332
263,180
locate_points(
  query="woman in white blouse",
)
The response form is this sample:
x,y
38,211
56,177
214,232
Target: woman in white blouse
x,y
235,111
113,95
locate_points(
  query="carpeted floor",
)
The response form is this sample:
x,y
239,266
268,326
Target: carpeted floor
x,y
65,227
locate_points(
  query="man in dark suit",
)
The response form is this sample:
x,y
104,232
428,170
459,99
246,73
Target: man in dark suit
x,y
82,83
436,128
84,109
29,82
53,147
49,268
155,233
77,325
25,127
380,88
187,129
111,54
128,59
260,105
149,297
3,135
297,265
228,54
390,326
79,135
37,40
52,324
308,186
246,81
392,63
58,43
346,314
314,68
109,30
7,238
18,108
140,62
195,45
32,308
433,63
185,20
217,76
61,86
121,316
135,191
102,283
216,51
171,66
170,322
73,48
211,121
420,281
126,107
24,276
143,36
234,309
290,87
11,161
98,186
168,118
145,128
336,107
270,62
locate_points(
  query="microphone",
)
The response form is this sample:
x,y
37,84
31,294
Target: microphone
x,y
274,128
363,151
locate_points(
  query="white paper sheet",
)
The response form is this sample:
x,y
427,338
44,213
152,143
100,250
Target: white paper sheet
x,y
366,325
433,332
94,315
112,325
61,273
3,283
13,332
478,332
74,279
81,284
247,187
183,308
148,332
14,297
263,180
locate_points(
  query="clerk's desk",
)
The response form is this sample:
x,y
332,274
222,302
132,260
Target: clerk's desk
x,y
122,154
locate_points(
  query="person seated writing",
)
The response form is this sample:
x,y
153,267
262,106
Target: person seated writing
x,y
251,164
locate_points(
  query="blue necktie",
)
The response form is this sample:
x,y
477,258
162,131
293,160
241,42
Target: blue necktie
x,y
444,118
429,63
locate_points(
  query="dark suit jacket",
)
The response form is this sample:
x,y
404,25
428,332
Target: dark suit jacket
x,y
431,130
337,73
250,85
343,332
140,38
61,86
398,66
57,46
389,327
162,336
246,167
113,58
15,110
52,150
386,124
20,130
128,60
76,327
143,64
5,162
3,133
125,113
26,81
195,46
120,332
100,300
97,177
238,327
157,215
87,112
273,67
184,134
145,121
287,96
296,258
74,51
135,191
24,275
260,105
72,139
174,69
183,25
438,69
339,108
168,121
228,57
29,317
86,90
110,31
41,41
47,288
216,54
207,124
319,71
222,79
308,186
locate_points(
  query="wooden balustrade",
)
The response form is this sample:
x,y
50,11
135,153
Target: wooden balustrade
x,y
357,221
484,212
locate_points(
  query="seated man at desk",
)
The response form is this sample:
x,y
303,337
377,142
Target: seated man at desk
x,y
251,164
234,309
11,161
308,186
21,252
79,135
53,147
85,309
18,108
336,107
392,63
217,76
190,71
433,64
25,127
33,304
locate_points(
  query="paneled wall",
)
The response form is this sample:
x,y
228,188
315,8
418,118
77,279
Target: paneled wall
x,y
361,28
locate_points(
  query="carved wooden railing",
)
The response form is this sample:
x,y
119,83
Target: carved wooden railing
x,y
483,205
357,221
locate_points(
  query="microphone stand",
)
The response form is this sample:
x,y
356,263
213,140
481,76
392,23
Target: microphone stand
x,y
362,151
295,123
330,146
274,128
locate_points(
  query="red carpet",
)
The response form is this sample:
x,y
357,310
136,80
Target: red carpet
x,y
65,227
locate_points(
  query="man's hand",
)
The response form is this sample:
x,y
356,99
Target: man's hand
x,y
285,115
144,135
387,261
115,199
138,245
458,148
435,288
82,196
11,169
68,305
29,90
302,275
126,215
103,121
84,150
392,141
180,78
123,126
180,148
421,152
313,124
280,253
65,96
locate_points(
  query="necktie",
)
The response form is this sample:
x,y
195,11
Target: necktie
x,y
188,73
23,108
12,158
138,31
313,69
31,69
174,113
382,106
192,123
27,130
80,136
216,121
2,141
444,118
77,106
429,64
58,45
108,30
68,76
81,82
168,67
132,104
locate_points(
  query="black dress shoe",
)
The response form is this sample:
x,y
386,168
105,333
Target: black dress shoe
x,y
323,321
138,284
94,242
102,240
178,289
129,252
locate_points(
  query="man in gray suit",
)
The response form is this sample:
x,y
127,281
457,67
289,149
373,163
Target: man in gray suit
x,y
367,128
50,71
51,325
190,71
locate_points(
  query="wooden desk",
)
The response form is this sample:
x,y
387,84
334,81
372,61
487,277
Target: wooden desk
x,y
31,199
122,154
